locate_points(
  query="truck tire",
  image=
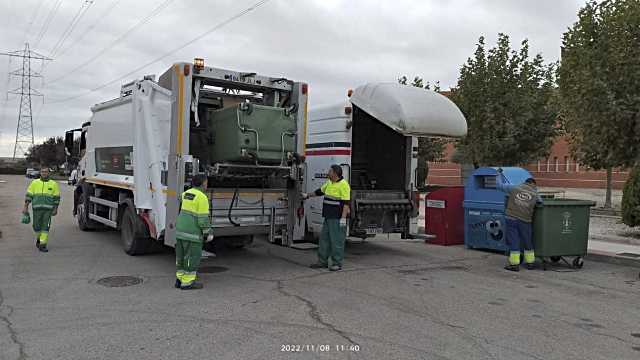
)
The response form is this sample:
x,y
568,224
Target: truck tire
x,y
82,212
134,233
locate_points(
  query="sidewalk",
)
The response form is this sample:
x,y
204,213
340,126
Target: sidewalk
x,y
612,241
597,195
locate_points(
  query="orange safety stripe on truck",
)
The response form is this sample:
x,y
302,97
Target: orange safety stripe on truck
x,y
117,184
180,109
306,118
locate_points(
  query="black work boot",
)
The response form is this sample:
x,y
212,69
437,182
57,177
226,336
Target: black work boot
x,y
318,266
193,286
178,284
43,248
512,267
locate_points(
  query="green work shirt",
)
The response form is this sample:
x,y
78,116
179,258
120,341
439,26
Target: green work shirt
x,y
193,219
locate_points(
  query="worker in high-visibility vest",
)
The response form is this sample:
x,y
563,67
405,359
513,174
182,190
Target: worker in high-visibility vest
x,y
44,196
335,211
191,225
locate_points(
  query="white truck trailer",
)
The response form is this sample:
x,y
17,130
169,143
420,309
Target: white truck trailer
x,y
373,136
139,151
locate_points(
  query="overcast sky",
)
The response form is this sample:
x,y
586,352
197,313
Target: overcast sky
x,y
331,44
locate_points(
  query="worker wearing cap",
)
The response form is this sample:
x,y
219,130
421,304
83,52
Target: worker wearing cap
x,y
521,203
191,225
335,210
44,196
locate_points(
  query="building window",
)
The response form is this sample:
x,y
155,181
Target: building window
x,y
548,165
567,165
555,162
577,167
539,166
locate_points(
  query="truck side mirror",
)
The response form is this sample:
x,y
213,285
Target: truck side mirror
x,y
68,143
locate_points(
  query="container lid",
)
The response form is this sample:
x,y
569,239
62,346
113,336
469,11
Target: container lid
x,y
411,111
567,202
510,175
481,189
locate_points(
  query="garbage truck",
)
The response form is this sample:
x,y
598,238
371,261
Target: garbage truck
x,y
139,151
373,135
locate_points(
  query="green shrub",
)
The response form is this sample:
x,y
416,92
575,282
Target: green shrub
x,y
631,199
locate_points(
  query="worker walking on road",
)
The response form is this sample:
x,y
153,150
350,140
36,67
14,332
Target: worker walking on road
x,y
44,196
335,210
519,211
191,225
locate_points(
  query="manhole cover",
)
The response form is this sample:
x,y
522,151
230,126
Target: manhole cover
x,y
119,281
212,269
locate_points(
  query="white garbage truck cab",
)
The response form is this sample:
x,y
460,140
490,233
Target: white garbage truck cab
x,y
373,136
139,151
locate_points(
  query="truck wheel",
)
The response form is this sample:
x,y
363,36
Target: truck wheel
x,y
82,211
134,233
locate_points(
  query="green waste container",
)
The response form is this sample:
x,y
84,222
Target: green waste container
x,y
561,229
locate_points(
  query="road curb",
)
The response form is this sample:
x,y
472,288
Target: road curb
x,y
611,258
606,212
616,240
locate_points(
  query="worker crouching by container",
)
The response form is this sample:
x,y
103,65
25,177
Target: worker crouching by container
x,y
521,203
191,224
335,210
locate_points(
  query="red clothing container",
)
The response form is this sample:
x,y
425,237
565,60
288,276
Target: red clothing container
x,y
444,216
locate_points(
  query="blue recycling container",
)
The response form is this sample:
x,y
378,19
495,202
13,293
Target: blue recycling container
x,y
484,206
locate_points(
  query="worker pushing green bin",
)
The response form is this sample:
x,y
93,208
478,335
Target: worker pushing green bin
x,y
561,229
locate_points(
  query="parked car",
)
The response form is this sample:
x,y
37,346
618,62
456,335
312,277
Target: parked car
x,y
32,173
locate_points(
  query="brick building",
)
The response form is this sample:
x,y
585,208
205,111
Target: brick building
x,y
558,170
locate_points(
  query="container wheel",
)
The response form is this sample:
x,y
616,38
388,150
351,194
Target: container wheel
x,y
578,262
555,259
134,233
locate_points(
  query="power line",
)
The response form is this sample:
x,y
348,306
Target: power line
x,y
33,19
47,21
90,28
148,18
86,4
197,38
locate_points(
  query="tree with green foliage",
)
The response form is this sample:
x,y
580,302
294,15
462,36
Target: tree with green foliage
x,y
631,199
429,148
49,153
506,98
599,80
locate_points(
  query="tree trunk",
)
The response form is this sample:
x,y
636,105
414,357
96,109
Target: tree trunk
x,y
607,200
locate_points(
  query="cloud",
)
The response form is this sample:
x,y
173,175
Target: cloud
x,y
331,44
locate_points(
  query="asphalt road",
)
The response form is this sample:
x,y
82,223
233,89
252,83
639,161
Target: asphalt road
x,y
394,300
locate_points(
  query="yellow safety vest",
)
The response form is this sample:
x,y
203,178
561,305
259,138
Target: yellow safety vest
x,y
335,196
193,219
43,195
